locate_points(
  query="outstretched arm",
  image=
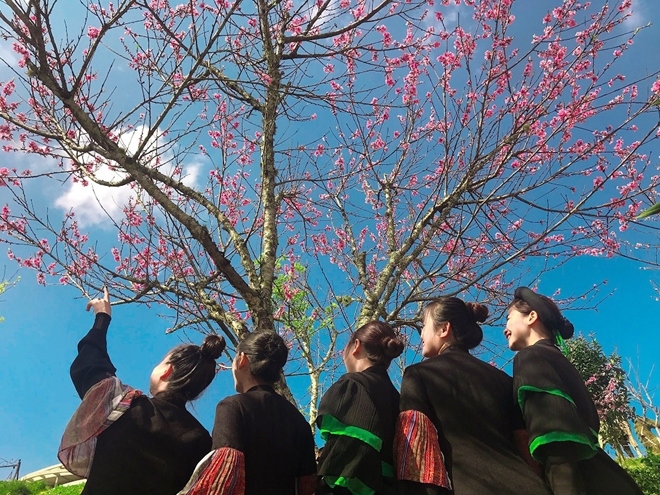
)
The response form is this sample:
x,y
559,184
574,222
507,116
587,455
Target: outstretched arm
x,y
93,363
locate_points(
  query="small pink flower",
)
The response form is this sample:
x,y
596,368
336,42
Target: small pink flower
x,y
93,32
656,87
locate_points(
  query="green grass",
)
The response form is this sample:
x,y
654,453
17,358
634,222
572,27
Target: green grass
x,y
36,488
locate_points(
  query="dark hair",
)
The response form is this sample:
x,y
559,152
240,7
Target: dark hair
x,y
379,341
464,318
525,301
193,366
267,352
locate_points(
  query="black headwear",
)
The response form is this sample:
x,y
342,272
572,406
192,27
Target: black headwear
x,y
552,320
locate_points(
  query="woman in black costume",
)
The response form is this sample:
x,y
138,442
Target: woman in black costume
x,y
458,426
262,444
357,417
123,441
561,417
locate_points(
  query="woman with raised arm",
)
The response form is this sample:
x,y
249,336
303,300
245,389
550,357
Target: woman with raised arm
x,y
125,442
262,444
560,415
357,417
456,432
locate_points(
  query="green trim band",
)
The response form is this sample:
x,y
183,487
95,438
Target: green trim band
x,y
387,470
332,426
562,436
530,388
353,485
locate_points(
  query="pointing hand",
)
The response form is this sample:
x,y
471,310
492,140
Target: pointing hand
x,y
101,305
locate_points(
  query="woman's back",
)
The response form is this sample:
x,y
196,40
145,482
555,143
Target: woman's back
x,y
471,405
121,440
365,401
152,448
275,439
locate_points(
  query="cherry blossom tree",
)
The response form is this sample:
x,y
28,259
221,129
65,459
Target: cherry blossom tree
x,y
305,166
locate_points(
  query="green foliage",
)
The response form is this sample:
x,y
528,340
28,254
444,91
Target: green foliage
x,y
606,381
646,473
37,488
22,487
297,308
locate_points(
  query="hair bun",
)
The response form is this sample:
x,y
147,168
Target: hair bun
x,y
393,346
212,346
566,328
478,311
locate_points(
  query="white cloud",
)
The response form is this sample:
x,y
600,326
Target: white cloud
x,y
94,203
638,17
9,56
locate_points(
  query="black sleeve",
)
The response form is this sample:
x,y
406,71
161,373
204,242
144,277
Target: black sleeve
x,y
228,425
307,460
517,419
347,404
92,364
551,416
414,396
562,470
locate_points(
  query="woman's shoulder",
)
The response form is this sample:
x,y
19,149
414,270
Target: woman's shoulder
x,y
543,350
346,383
432,364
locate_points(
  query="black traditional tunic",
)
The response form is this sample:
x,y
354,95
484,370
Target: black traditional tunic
x,y
153,447
357,418
275,439
469,403
563,425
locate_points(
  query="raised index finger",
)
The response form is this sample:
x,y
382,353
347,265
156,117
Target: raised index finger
x,y
106,295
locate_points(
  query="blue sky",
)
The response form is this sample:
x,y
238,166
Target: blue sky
x,y
43,324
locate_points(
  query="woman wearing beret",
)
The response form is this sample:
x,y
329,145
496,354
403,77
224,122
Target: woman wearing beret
x,y
560,415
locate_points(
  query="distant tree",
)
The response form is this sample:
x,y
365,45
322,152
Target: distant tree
x,y
306,166
606,381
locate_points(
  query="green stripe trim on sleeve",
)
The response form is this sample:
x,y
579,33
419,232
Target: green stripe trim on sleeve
x,y
332,426
353,485
530,388
562,436
387,470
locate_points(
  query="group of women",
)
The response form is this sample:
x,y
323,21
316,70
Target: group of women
x,y
459,425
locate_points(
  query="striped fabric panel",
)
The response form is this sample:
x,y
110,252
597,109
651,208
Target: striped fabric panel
x,y
220,472
102,405
417,451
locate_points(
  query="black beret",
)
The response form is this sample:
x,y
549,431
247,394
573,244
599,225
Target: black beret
x,y
550,319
